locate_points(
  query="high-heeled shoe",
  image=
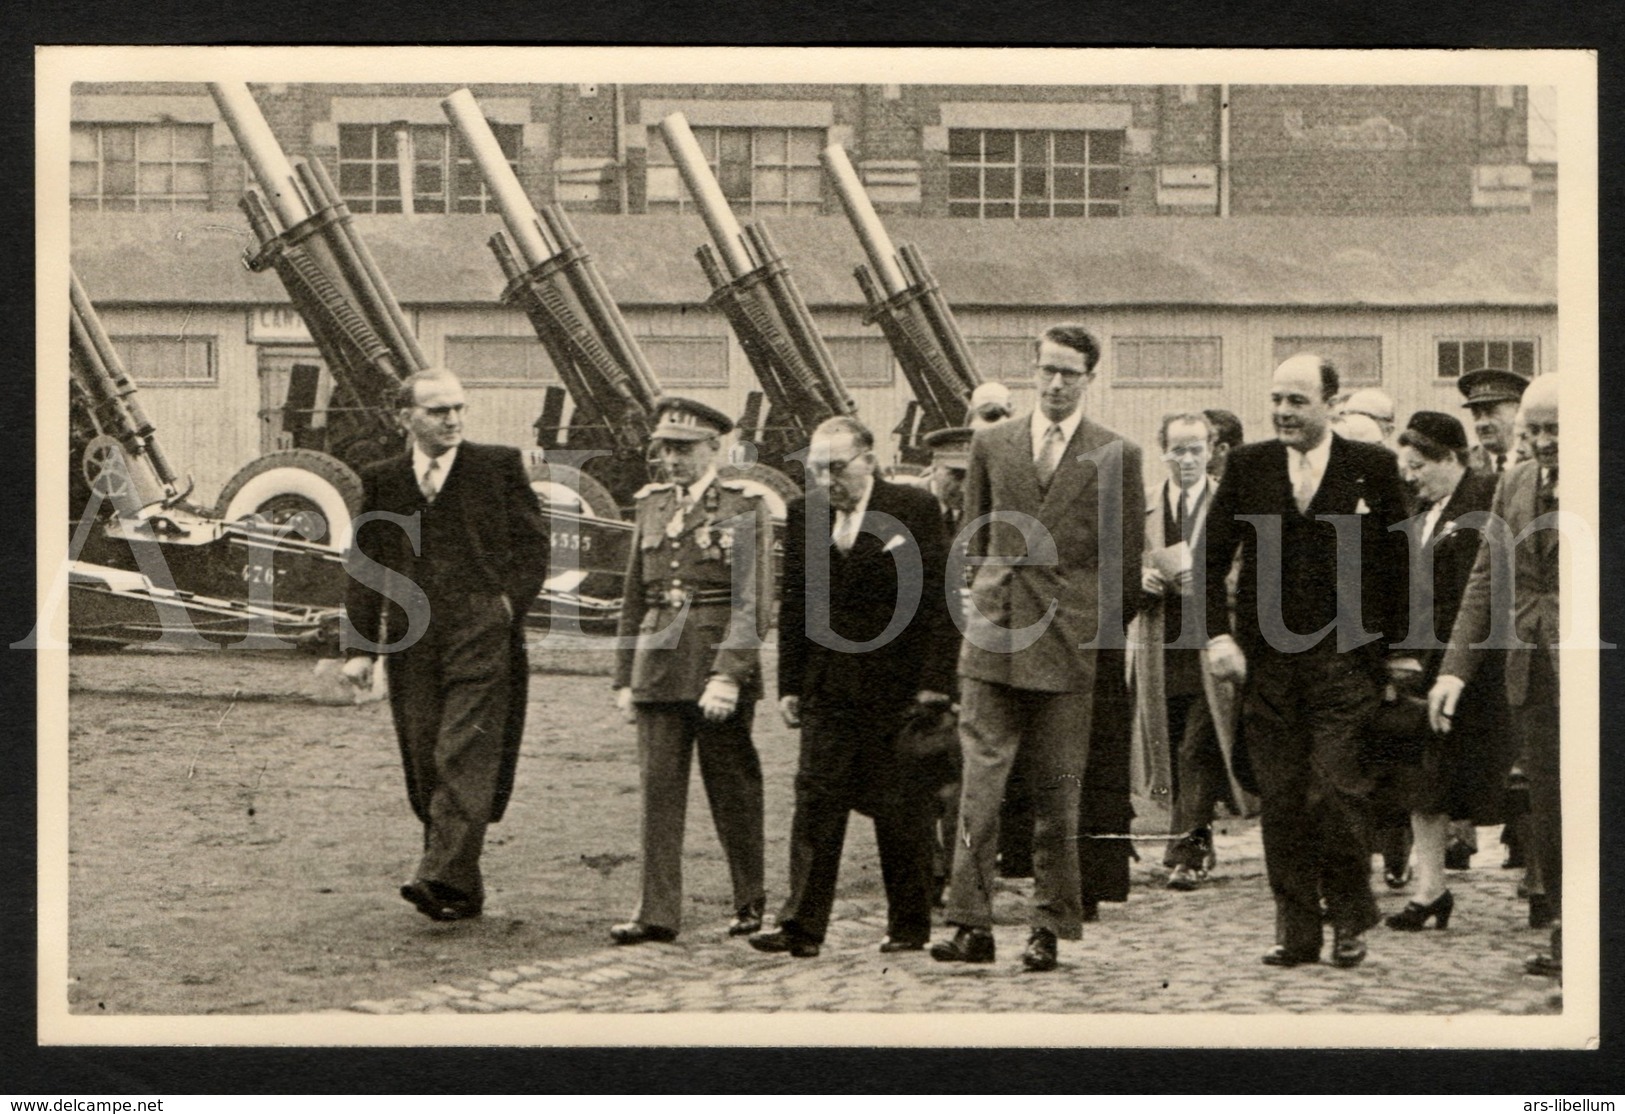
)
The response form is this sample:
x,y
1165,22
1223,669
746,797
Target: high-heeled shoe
x,y
1414,917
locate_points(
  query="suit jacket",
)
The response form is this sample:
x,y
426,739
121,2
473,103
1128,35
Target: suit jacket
x,y
1455,550
1151,776
1361,480
501,546
866,586
707,554
1531,605
1010,602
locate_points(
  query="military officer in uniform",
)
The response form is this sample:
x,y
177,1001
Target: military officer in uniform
x,y
1492,395
696,605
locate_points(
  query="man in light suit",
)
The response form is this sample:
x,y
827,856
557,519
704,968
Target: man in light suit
x,y
1314,667
1055,580
1526,494
457,685
864,644
1184,722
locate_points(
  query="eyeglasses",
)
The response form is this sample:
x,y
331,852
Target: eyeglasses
x,y
1050,371
1537,429
835,469
1184,450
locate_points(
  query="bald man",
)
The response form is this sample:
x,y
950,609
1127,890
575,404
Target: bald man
x,y
1307,699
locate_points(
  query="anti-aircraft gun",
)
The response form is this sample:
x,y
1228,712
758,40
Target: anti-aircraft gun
x,y
146,564
308,238
753,288
904,299
552,277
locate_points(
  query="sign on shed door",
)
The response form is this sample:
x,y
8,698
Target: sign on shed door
x,y
294,391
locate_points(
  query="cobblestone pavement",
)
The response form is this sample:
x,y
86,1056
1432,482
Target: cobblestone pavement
x,y
1162,952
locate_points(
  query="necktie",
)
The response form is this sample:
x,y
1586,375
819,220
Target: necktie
x,y
1184,515
1049,454
843,534
1500,463
431,480
1303,488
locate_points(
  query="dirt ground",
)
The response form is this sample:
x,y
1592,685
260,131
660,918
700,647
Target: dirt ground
x,y
235,846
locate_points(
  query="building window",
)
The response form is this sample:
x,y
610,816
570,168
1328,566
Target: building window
x,y
1166,361
687,361
759,169
862,361
162,360
444,178
1358,359
499,360
1008,360
1003,173
1458,357
140,166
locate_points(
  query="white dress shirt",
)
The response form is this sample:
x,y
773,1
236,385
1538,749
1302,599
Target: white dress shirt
x,y
1041,424
422,460
1314,462
845,530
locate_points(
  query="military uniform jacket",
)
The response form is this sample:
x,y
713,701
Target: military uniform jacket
x,y
719,559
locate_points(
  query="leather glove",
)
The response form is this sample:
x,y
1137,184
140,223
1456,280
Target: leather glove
x,y
358,671
720,698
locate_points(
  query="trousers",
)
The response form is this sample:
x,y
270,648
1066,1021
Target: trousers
x,y
848,762
996,722
1304,716
448,695
669,733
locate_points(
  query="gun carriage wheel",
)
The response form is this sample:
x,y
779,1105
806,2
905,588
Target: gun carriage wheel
x,y
106,471
318,494
571,489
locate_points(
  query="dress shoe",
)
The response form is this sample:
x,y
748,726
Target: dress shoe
x,y
1542,964
1348,949
1184,879
1514,859
1458,856
969,945
1282,956
888,945
1040,953
1091,911
1397,879
1414,917
440,902
1541,913
747,919
636,932
779,941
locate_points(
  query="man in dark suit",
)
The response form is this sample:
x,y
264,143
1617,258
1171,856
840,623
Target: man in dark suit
x,y
863,645
1055,582
1525,497
459,548
1314,667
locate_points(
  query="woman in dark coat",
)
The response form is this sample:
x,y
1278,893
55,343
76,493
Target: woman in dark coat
x,y
1456,776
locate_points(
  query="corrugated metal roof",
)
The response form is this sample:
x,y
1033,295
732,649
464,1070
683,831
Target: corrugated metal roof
x,y
649,259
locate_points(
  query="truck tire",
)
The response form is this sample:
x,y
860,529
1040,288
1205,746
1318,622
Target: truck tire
x,y
319,490
561,485
771,484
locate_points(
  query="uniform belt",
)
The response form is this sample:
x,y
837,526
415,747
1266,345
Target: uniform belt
x,y
675,597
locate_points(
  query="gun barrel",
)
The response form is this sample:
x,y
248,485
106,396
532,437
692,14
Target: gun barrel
x,y
707,193
860,211
265,157
517,212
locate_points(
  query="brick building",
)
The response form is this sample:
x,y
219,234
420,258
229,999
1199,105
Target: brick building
x,y
1402,229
